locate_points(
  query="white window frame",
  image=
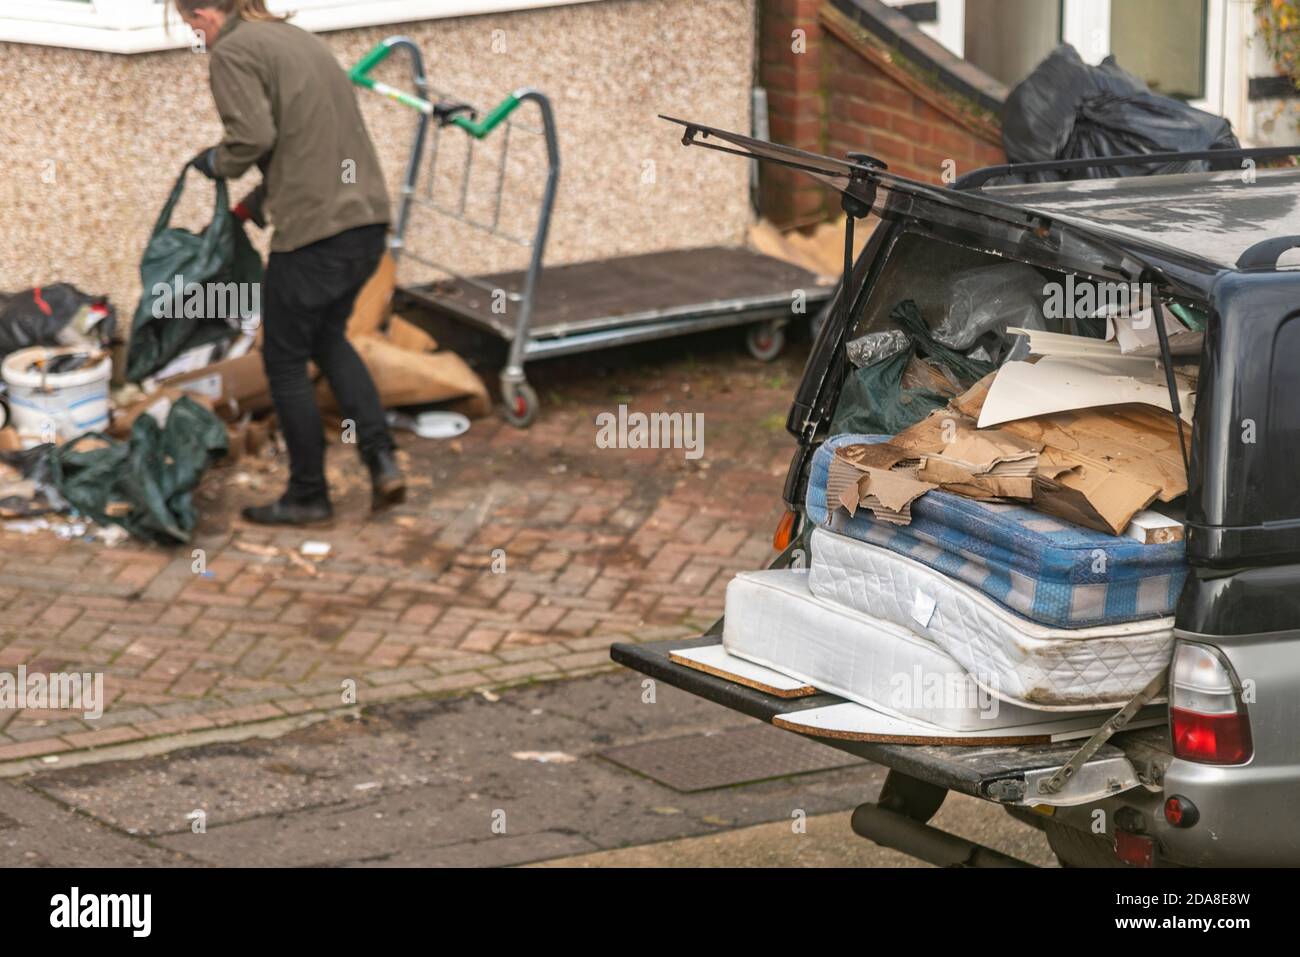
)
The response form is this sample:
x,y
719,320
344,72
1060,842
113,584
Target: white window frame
x,y
949,26
136,26
1085,24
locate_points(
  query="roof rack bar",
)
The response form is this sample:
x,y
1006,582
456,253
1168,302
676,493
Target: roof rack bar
x,y
977,178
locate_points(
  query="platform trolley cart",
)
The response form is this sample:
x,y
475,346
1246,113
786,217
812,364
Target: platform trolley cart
x,y
584,306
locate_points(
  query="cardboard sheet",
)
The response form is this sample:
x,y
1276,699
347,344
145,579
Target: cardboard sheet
x,y
887,492
414,378
374,299
407,335
1043,343
1098,468
1021,390
820,251
233,387
989,464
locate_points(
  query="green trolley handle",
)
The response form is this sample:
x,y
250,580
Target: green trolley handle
x,y
360,75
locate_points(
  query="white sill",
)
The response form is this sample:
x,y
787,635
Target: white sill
x,y
80,27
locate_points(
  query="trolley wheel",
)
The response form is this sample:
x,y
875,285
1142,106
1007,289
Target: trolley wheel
x,y
520,403
765,340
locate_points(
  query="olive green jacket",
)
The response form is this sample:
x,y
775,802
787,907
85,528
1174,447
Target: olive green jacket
x,y
291,110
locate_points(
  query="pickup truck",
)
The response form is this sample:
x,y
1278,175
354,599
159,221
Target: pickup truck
x,y
1213,786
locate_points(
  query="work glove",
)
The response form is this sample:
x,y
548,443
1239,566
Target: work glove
x,y
205,162
250,209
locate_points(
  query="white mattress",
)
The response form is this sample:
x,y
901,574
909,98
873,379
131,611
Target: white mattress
x,y
1016,659
772,619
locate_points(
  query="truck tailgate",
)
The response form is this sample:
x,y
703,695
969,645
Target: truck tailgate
x,y
995,772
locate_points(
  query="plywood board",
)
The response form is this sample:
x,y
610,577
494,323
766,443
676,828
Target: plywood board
x,y
715,660
854,722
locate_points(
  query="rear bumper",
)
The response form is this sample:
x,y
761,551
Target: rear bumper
x,y
1246,817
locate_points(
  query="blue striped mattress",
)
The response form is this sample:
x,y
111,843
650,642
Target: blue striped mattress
x,y
1039,566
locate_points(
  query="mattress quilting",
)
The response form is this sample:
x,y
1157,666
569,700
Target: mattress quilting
x,y
1036,565
774,620
1017,659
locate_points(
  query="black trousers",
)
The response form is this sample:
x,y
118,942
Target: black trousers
x,y
307,298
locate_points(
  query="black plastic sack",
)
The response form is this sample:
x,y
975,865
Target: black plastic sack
x,y
875,400
1066,109
156,470
57,315
171,317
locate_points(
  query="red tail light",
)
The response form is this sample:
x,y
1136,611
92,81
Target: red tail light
x,y
1209,723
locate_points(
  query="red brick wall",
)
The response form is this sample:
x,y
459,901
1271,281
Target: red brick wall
x,y
835,98
869,110
796,106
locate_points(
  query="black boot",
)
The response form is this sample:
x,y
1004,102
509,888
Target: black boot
x,y
288,511
389,487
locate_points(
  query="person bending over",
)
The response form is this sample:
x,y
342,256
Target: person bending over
x,y
288,108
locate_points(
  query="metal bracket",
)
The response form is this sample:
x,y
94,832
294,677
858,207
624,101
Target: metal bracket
x,y
1116,723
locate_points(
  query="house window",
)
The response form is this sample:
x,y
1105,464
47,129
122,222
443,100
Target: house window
x,y
1163,42
1008,38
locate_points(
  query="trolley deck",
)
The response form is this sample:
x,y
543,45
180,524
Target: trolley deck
x,y
628,299
579,307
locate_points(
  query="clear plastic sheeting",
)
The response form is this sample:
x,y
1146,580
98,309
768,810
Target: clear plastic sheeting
x,y
983,303
874,346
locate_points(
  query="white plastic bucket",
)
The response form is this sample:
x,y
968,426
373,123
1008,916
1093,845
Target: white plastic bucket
x,y
56,406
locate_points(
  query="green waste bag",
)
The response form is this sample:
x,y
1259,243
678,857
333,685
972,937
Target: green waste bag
x,y
156,470
874,401
220,261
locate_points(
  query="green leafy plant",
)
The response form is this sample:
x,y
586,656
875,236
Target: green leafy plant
x,y
1278,24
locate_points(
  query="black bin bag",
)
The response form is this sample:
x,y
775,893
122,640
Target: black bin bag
x,y
1066,109
220,261
56,315
876,398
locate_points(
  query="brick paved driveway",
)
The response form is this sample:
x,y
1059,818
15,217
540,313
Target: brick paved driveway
x,y
599,545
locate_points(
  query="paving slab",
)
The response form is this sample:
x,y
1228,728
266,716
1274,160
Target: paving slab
x,y
519,556
495,779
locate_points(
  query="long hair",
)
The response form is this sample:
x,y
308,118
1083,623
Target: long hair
x,y
244,9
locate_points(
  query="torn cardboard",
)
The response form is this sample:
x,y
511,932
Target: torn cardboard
x,y
413,378
886,492
407,335
820,251
371,308
1097,468
990,465
231,386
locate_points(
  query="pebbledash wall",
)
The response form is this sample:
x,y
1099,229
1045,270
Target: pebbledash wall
x,y
91,142
858,75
